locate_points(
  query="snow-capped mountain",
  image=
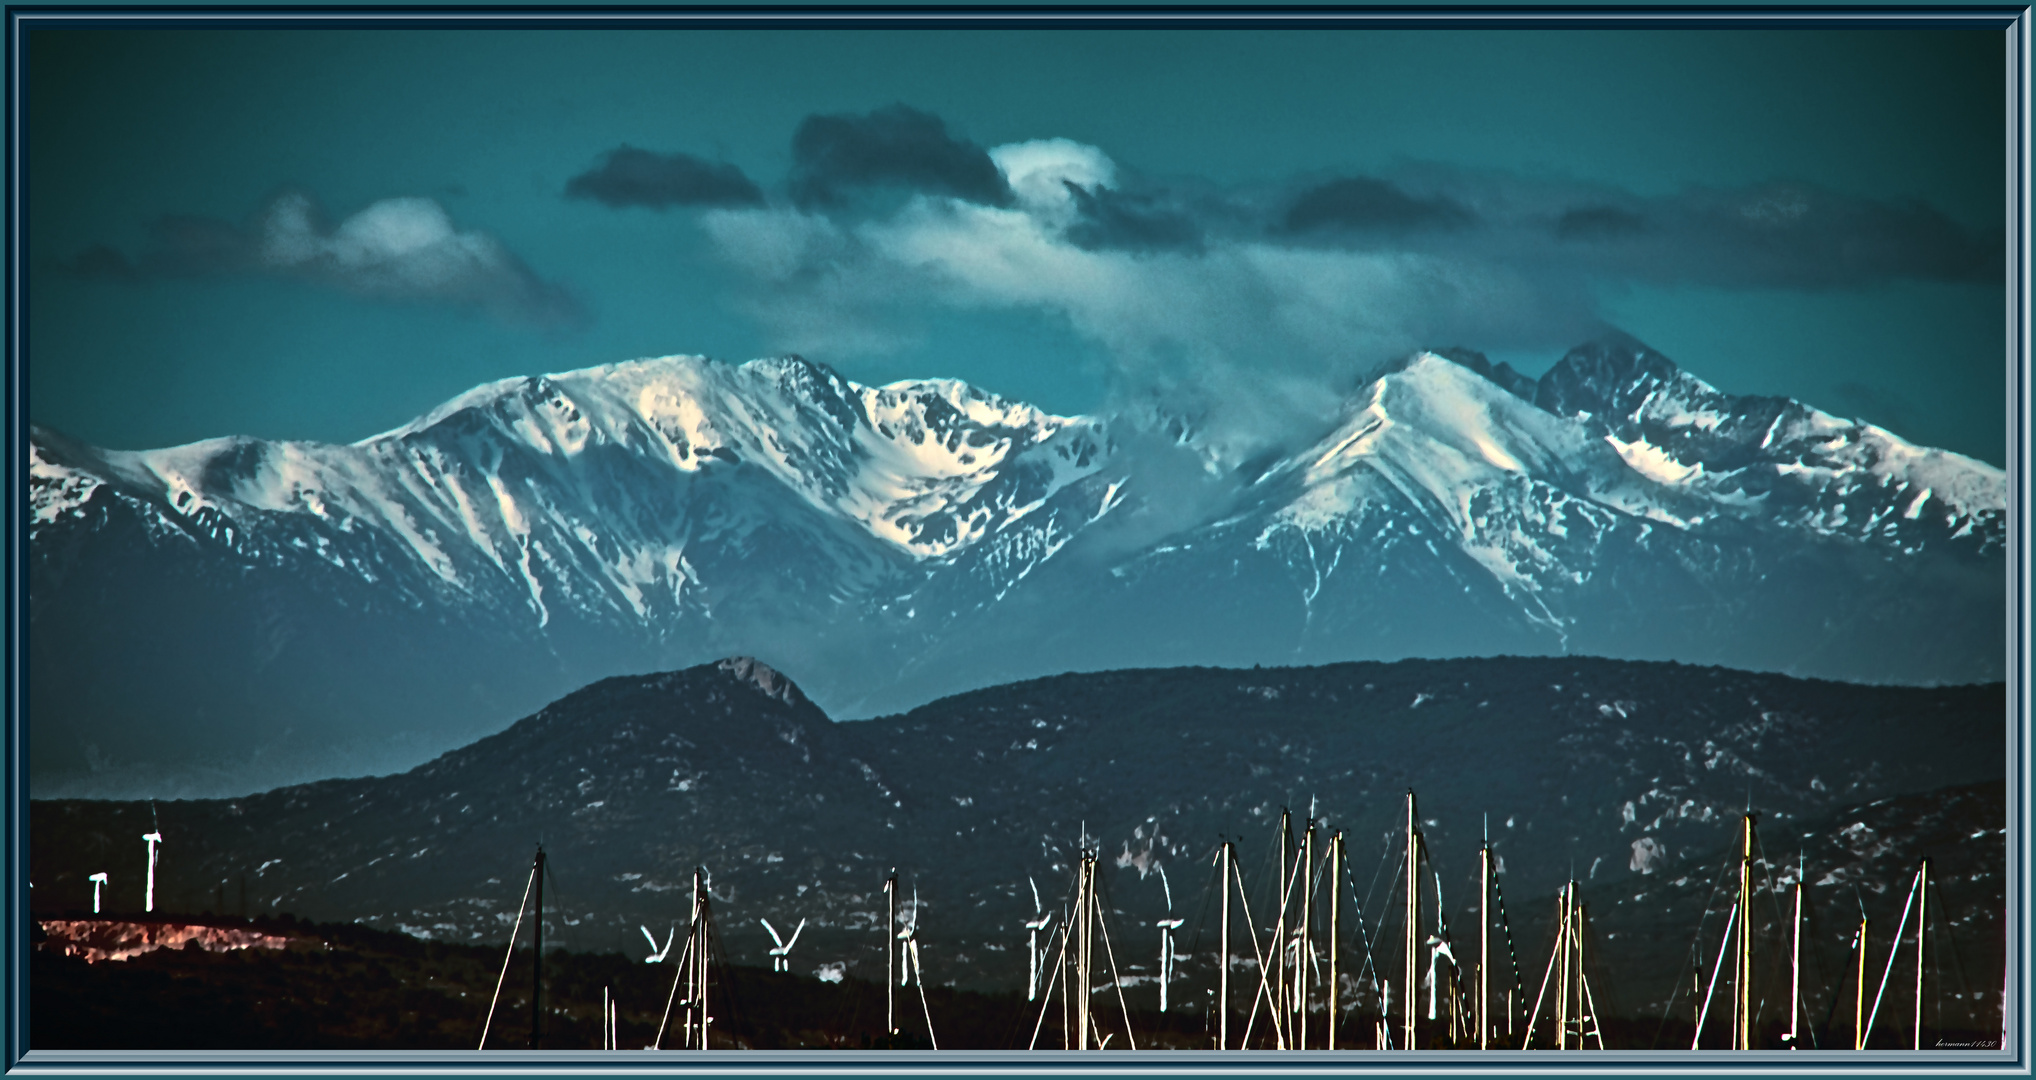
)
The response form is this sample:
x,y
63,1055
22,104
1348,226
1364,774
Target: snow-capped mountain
x,y
283,610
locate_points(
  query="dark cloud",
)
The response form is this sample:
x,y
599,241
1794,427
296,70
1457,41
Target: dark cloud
x,y
403,249
896,146
1113,220
1796,236
1789,236
1366,204
628,176
1777,235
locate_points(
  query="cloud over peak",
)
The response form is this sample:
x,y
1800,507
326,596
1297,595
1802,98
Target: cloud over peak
x,y
1251,304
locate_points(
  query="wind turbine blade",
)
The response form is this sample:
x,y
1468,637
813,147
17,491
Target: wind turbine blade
x,y
795,935
1036,908
1169,889
647,936
774,932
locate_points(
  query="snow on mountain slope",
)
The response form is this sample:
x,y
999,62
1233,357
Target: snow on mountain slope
x,y
929,466
583,487
891,544
1616,432
1774,458
1460,509
1506,481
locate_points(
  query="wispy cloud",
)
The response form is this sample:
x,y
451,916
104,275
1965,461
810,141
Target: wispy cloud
x,y
400,249
628,176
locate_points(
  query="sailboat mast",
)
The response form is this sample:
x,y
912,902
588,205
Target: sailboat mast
x,y
1087,903
537,955
1306,952
1744,1035
891,952
1223,957
698,975
1922,924
1796,964
1484,937
1409,977
1335,895
1576,916
1562,968
1279,942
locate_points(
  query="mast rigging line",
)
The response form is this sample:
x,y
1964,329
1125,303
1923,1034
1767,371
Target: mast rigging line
x,y
685,962
1209,888
510,955
1731,922
1774,900
1046,995
1264,989
1725,870
1362,938
1512,953
1117,983
1831,1013
1894,950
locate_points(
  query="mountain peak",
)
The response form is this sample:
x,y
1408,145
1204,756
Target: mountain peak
x,y
1611,375
1500,374
766,679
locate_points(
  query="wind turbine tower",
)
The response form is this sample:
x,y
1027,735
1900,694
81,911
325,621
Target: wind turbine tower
x,y
97,880
1035,926
1167,927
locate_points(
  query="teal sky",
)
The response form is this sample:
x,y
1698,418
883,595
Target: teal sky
x,y
1877,299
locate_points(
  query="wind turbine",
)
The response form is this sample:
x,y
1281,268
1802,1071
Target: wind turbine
x,y
781,959
97,880
1032,943
661,953
908,938
1166,940
153,838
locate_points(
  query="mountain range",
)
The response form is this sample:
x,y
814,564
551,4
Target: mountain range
x,y
237,614
1630,777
